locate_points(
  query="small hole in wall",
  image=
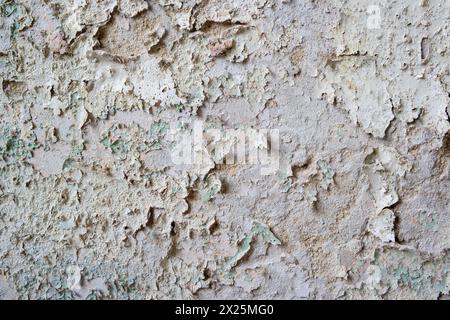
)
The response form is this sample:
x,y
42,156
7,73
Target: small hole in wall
x,y
213,227
173,228
206,273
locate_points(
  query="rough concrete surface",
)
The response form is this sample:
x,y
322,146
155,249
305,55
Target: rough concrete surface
x,y
96,96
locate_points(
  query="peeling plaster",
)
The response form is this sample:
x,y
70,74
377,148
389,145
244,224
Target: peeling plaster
x,y
96,95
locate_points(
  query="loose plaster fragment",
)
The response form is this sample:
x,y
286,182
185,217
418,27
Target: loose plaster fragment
x,y
383,168
136,219
415,102
96,12
354,85
131,8
188,69
73,277
145,31
220,47
245,245
246,42
78,16
382,225
51,135
267,235
82,117
226,11
56,42
327,174
212,186
243,248
153,84
224,86
256,88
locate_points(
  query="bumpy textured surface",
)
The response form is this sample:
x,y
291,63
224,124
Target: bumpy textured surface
x,y
92,207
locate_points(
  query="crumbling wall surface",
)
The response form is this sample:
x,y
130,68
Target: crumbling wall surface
x,y
95,95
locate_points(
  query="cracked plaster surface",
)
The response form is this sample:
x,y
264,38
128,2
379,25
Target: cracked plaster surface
x,y
91,206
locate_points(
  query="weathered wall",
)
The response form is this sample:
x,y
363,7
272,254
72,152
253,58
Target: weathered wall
x,y
92,205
